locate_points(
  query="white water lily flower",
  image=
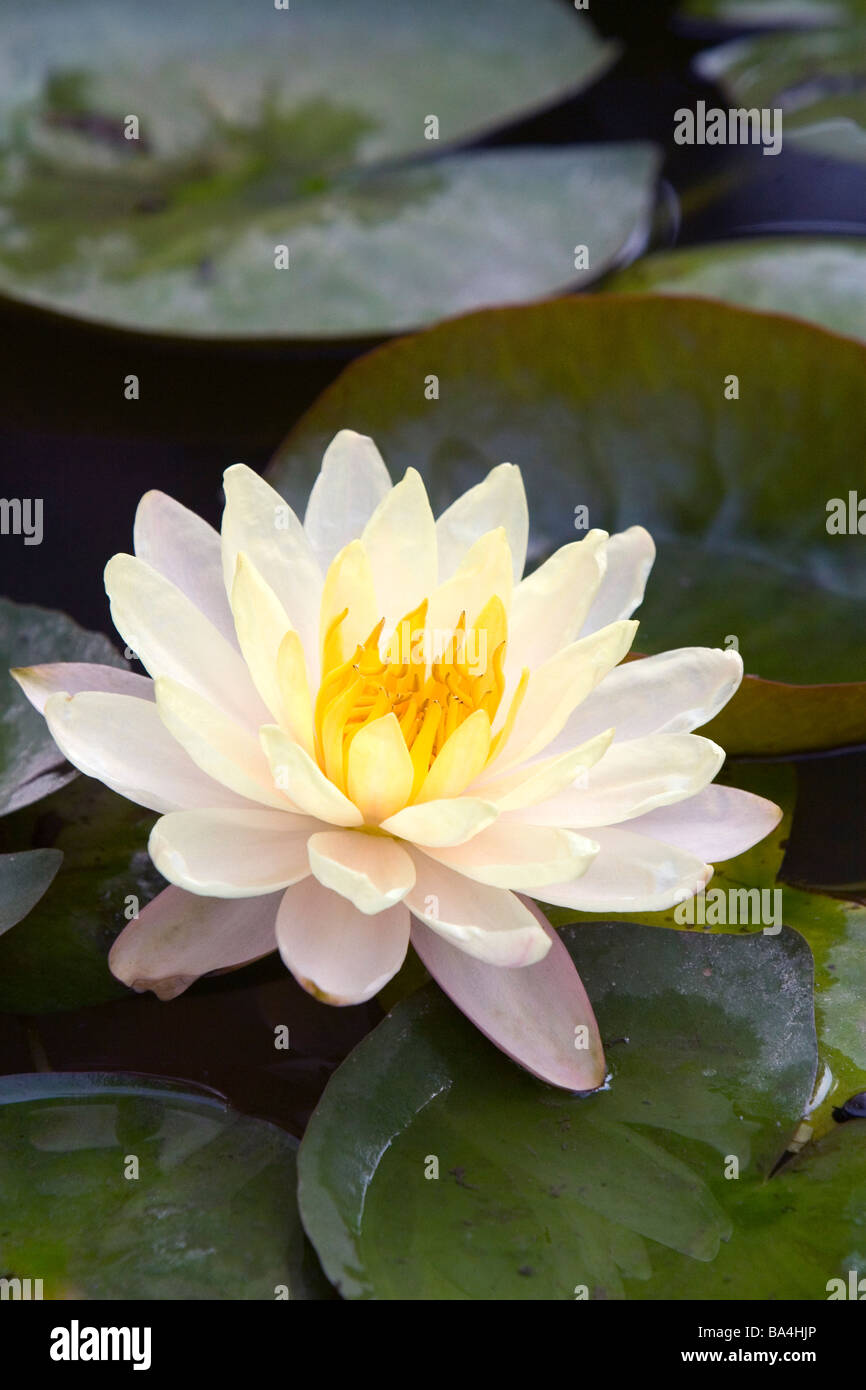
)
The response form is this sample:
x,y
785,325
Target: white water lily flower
x,y
370,729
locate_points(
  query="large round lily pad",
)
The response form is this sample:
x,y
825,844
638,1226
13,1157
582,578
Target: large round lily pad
x,y
625,406
124,1187
468,1179
235,170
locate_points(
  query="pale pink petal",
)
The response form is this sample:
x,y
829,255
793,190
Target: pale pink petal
x,y
186,550
489,923
179,936
39,683
123,743
716,824
337,953
539,1015
631,873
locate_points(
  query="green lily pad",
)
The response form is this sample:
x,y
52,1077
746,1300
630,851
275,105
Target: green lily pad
x,y
31,764
24,878
617,404
765,13
103,1179
384,252
834,929
56,958
817,80
795,1237
821,279
260,129
711,1046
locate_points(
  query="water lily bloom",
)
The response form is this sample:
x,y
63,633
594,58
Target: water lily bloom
x,y
369,728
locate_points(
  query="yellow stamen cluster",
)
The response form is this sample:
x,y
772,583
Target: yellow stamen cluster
x,y
430,698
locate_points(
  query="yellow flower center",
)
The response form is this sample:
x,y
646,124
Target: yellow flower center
x,y
431,681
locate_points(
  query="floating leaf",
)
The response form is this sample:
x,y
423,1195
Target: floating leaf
x,y
124,1187
56,957
618,404
254,130
24,878
820,279
711,1046
817,80
31,765
767,13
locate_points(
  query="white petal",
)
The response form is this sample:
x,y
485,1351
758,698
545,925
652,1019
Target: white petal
x,y
372,871
485,571
232,854
303,781
715,824
184,549
222,748
671,693
539,781
632,873
557,687
351,484
633,778
513,854
500,500
179,936
337,953
123,742
257,521
489,923
548,609
400,541
538,1015
172,638
630,555
348,586
438,823
261,623
39,683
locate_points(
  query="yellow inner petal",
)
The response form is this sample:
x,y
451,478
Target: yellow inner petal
x,y
432,682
